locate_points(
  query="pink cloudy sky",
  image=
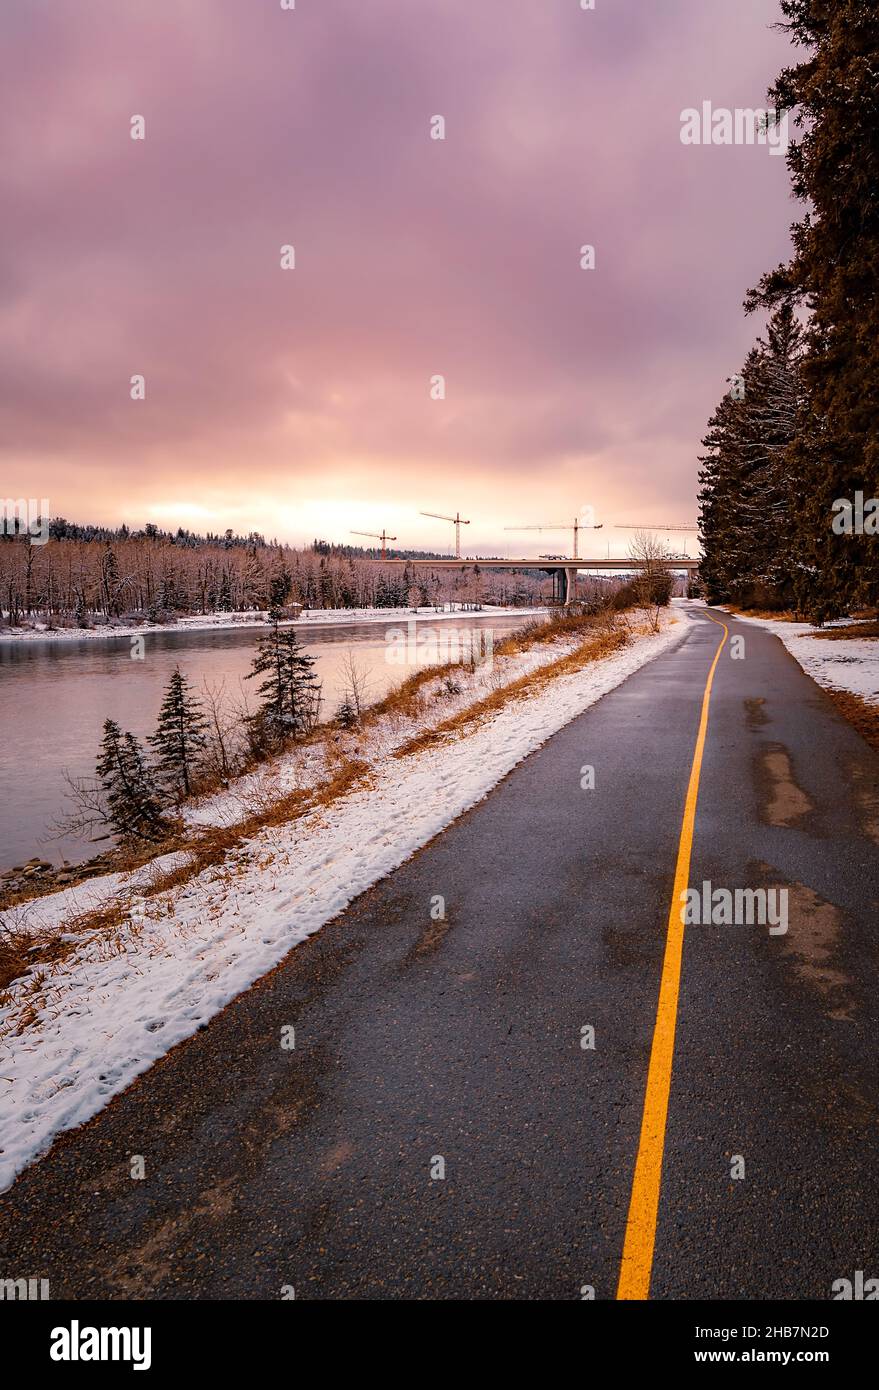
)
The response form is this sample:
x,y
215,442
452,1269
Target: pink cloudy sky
x,y
298,402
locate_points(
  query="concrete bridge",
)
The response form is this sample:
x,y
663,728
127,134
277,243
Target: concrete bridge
x,y
565,566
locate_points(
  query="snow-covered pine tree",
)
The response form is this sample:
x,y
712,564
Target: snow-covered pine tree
x,y
110,582
747,494
134,809
768,501
280,585
834,168
290,689
381,599
224,600
346,714
180,738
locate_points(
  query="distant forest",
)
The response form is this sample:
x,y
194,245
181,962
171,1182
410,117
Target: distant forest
x,y
85,575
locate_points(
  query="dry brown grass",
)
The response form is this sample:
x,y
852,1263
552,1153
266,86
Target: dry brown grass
x,y
22,947
787,615
600,645
16,954
125,860
869,629
560,623
211,846
407,699
867,624
863,714
28,947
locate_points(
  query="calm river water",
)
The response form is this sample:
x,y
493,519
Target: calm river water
x,y
55,696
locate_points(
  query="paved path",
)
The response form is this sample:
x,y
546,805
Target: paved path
x,y
418,1039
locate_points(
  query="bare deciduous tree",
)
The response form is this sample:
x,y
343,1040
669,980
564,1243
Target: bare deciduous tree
x,y
647,551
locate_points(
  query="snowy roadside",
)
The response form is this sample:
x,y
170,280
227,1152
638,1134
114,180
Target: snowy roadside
x,y
76,1032
235,622
850,664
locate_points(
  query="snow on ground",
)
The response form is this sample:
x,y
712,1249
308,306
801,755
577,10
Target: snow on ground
x,y
89,896
836,663
230,622
119,1002
308,766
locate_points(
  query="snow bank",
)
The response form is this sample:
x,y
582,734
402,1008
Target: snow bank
x,y
850,663
117,1005
234,622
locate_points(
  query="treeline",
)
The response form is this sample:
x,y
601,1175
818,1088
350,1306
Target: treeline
x,y
73,581
791,461
62,530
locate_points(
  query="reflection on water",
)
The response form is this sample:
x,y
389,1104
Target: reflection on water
x,y
55,696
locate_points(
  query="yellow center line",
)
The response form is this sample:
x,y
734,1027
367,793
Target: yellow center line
x,y
637,1261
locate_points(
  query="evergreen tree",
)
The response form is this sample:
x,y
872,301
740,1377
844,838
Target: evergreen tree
x,y
180,738
224,602
280,585
346,714
253,590
133,807
746,490
290,689
716,480
168,598
110,582
834,168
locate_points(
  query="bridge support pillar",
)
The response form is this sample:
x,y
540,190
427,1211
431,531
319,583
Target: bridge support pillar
x,y
569,586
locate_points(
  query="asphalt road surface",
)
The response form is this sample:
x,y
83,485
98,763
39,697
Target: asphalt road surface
x,y
420,1040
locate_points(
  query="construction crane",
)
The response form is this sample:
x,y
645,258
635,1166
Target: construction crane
x,y
578,527
643,526
376,537
459,522
669,532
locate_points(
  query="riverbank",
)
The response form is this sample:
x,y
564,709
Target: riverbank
x,y
128,965
236,622
39,876
56,695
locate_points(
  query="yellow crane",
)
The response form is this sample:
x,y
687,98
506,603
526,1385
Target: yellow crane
x,y
644,526
551,526
458,521
376,537
669,531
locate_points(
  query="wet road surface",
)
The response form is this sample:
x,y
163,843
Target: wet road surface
x,y
454,1046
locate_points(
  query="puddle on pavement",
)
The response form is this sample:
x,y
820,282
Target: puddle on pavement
x,y
812,942
866,795
783,802
755,713
336,1158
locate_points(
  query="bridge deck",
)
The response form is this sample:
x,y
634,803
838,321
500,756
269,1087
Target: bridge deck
x,y
538,563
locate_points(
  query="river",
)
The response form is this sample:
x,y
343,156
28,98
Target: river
x,y
56,694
